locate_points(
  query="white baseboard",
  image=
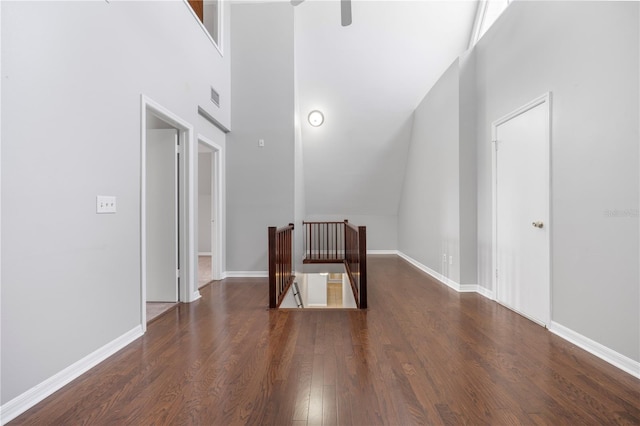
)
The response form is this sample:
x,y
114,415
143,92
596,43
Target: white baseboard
x,y
438,276
468,288
28,399
246,274
204,253
609,355
382,251
461,288
476,288
489,294
195,296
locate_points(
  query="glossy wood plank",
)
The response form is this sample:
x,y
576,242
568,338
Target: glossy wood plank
x,y
421,354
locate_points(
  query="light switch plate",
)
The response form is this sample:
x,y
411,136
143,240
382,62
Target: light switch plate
x,y
105,204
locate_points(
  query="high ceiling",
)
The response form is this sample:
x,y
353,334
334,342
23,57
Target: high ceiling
x,y
367,79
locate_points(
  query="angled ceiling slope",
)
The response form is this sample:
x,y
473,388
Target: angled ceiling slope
x,y
367,79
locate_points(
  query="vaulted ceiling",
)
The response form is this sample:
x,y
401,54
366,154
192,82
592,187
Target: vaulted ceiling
x,y
367,79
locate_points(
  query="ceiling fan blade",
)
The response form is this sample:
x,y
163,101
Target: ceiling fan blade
x,y
345,6
296,2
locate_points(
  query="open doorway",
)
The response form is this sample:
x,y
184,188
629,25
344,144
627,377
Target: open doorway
x,y
206,220
167,211
162,216
210,202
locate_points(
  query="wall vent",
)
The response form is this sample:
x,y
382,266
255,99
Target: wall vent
x,y
215,97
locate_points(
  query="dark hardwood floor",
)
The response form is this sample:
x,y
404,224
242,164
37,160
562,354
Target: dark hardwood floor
x,y
422,354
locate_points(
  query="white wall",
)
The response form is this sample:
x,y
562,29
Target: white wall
x,y
348,300
260,180
72,76
289,300
316,290
586,54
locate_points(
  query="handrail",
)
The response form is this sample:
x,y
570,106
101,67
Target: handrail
x,y
280,263
323,222
340,242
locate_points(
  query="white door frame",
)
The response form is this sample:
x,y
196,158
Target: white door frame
x,y
188,251
217,205
546,100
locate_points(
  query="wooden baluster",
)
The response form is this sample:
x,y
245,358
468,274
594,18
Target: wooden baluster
x,y
335,256
326,243
309,240
323,240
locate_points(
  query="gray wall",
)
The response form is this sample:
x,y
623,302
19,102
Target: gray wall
x,y
468,172
380,174
429,211
299,194
260,180
586,54
71,131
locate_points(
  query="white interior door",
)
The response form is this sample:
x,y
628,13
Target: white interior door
x,y
162,215
521,214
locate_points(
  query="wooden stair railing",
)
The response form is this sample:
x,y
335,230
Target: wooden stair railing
x,y
355,261
324,242
340,242
280,263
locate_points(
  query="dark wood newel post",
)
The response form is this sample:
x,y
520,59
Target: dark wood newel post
x,y
272,267
362,244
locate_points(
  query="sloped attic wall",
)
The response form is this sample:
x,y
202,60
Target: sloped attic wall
x,y
436,216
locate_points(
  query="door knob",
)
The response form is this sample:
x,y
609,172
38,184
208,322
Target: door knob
x,y
538,224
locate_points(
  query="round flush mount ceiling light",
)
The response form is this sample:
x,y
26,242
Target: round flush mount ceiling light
x,y
316,118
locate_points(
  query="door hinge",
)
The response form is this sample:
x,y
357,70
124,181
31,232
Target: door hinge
x,y
177,273
495,144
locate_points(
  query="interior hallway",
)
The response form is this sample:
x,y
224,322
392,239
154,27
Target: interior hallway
x,y
421,354
204,270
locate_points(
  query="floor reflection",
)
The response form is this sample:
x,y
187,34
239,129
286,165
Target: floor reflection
x,y
320,291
